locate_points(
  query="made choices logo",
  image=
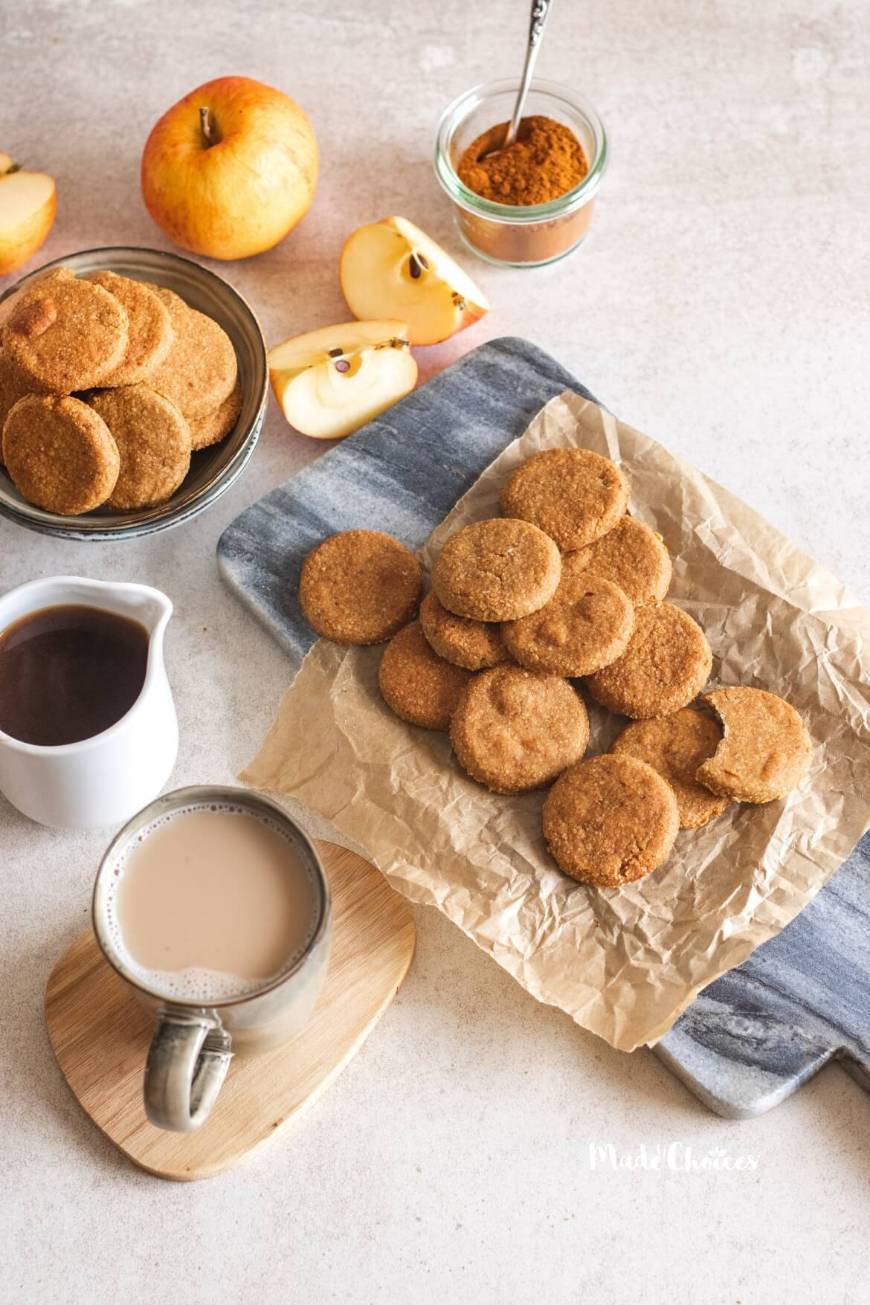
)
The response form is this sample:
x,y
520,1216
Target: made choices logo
x,y
676,1157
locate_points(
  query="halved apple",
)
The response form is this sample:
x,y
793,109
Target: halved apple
x,y
332,381
393,269
28,201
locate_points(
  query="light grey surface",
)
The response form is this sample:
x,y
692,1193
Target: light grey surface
x,y
727,270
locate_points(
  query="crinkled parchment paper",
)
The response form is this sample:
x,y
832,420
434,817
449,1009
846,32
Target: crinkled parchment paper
x,y
622,963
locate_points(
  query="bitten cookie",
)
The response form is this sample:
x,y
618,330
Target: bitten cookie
x,y
416,683
59,454
216,426
153,442
65,334
150,330
476,645
200,369
610,820
497,570
676,746
765,749
665,665
586,625
359,587
574,495
633,557
514,730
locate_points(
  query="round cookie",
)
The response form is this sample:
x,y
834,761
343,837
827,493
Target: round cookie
x,y
586,625
200,369
216,426
765,749
416,683
574,495
59,454
497,570
514,731
65,334
633,557
610,820
150,330
664,667
676,746
359,587
153,442
476,645
13,386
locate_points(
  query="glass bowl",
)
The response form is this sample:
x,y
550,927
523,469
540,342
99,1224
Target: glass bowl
x,y
212,470
510,234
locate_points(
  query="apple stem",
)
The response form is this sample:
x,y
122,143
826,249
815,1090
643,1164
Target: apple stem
x,y
207,127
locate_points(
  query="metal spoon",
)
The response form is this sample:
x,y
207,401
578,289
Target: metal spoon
x,y
540,13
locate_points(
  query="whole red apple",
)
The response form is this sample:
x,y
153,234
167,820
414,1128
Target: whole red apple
x,y
230,169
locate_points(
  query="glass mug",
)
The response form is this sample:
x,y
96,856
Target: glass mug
x,y
193,1044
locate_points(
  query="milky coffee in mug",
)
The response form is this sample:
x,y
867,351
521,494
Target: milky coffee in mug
x,y
212,904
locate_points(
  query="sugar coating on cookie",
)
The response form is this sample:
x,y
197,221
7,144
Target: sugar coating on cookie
x,y
514,730
153,442
216,426
59,454
586,625
665,665
574,495
765,749
676,746
359,587
149,328
497,570
610,820
416,683
200,369
634,557
476,645
65,334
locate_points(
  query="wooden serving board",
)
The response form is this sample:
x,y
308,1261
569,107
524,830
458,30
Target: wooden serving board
x,y
100,1033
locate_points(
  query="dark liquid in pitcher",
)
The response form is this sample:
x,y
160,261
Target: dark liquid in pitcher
x,y
68,673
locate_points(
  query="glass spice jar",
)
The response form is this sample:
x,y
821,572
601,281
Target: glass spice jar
x,y
517,235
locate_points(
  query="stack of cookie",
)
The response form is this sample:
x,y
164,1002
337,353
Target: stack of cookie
x,y
107,385
565,587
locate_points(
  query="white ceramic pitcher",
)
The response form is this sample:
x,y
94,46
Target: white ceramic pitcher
x,y
105,779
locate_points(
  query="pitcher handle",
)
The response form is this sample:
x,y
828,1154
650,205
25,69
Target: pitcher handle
x,y
187,1063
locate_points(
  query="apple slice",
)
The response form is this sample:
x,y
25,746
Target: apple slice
x,y
332,381
28,201
393,269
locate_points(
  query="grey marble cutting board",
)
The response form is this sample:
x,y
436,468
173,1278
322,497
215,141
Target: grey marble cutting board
x,y
754,1035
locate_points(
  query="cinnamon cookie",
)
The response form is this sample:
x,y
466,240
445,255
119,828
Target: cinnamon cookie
x,y
664,667
497,570
633,557
65,334
153,442
13,386
475,645
574,495
200,369
676,746
416,683
514,730
59,454
586,625
765,750
610,820
359,587
150,330
216,426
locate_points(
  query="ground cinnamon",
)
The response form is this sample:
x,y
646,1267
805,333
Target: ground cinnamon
x,y
545,161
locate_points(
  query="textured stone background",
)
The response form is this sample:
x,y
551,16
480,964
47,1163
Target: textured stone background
x,y
728,271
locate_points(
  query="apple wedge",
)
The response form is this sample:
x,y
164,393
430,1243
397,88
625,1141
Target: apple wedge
x,y
28,201
332,381
393,269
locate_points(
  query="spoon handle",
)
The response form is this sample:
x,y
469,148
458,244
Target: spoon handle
x,y
540,13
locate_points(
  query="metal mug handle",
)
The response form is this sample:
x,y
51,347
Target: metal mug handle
x,y
187,1063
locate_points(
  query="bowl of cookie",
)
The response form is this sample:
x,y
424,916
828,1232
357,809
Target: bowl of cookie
x,y
133,386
